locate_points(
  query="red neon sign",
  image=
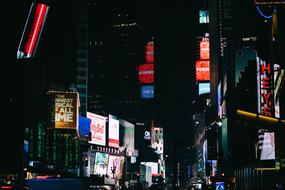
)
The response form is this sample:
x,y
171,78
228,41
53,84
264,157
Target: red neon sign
x,y
266,84
202,70
146,73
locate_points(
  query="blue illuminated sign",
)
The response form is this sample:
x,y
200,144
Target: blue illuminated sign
x,y
220,185
147,92
204,88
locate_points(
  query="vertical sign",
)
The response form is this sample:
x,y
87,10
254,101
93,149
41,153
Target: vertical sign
x,y
97,129
266,88
113,132
32,31
65,109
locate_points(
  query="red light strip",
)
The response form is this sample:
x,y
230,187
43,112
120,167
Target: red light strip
x,y
35,29
6,187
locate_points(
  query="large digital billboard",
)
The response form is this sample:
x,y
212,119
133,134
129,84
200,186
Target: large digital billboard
x,y
84,126
101,163
65,109
114,168
147,92
97,129
203,17
114,125
266,145
146,73
220,185
202,70
32,30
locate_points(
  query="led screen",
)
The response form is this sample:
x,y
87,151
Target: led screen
x,y
113,131
204,88
149,52
65,108
114,170
220,185
32,30
84,126
202,70
203,17
97,129
147,92
146,73
266,145
101,163
204,50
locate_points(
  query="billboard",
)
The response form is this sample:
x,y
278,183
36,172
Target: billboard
x,y
149,49
113,140
153,165
203,17
266,145
147,92
97,129
101,163
32,30
220,185
204,88
114,168
84,126
202,70
129,137
65,108
204,50
146,73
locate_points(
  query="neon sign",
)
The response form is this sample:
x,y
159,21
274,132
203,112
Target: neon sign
x,y
266,89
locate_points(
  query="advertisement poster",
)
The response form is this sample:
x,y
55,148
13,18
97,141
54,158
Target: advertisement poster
x,y
266,144
97,129
113,132
202,70
65,108
129,137
101,163
114,168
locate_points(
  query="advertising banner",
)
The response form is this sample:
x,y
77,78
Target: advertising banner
x,y
146,73
65,109
97,129
266,145
129,137
202,70
114,168
101,163
32,31
204,50
113,140
204,88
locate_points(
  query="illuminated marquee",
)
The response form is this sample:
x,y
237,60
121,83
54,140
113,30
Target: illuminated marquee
x,y
266,89
32,30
